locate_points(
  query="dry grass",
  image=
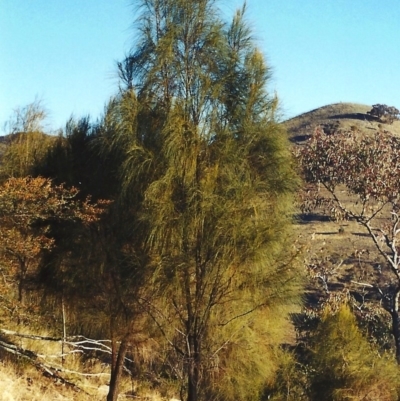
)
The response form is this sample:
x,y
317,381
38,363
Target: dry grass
x,y
21,381
26,384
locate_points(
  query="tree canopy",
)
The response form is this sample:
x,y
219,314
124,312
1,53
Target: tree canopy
x,y
384,113
207,177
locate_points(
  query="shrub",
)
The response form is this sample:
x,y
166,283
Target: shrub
x,y
291,380
345,366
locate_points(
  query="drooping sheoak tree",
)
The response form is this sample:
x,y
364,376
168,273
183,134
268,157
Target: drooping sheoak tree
x,y
207,183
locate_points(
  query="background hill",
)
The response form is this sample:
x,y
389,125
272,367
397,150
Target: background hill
x,y
336,116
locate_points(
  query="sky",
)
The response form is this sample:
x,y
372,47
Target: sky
x,y
63,52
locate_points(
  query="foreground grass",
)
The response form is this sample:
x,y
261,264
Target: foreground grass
x,y
28,385
20,381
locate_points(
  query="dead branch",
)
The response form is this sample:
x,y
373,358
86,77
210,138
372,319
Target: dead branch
x,y
32,357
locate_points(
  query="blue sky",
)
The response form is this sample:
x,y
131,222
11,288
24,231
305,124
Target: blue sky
x,y
321,52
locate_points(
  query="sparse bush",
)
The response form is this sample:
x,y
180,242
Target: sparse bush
x,y
331,128
368,169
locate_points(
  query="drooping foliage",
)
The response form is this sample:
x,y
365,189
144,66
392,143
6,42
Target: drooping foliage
x,y
206,184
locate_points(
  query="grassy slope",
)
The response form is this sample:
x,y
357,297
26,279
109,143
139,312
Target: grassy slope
x,y
346,114
25,384
22,382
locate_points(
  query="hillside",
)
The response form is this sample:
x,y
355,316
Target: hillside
x,y
342,115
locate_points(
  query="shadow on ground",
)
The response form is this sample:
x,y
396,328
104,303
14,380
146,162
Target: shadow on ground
x,y
304,218
355,116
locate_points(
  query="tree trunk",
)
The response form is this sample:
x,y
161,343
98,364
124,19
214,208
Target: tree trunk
x,y
20,289
396,323
116,370
21,281
194,371
113,353
113,344
193,381
64,324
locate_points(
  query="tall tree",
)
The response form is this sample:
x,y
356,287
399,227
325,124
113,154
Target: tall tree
x,y
207,180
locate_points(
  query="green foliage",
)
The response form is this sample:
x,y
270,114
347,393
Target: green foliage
x,y
345,366
207,185
197,251
291,382
73,159
23,151
26,143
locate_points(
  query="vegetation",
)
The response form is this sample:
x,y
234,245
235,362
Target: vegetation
x,y
208,169
368,168
29,207
384,113
195,252
26,142
345,366
187,278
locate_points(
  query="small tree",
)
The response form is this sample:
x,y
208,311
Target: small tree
x,y
30,118
28,209
384,113
26,143
368,169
